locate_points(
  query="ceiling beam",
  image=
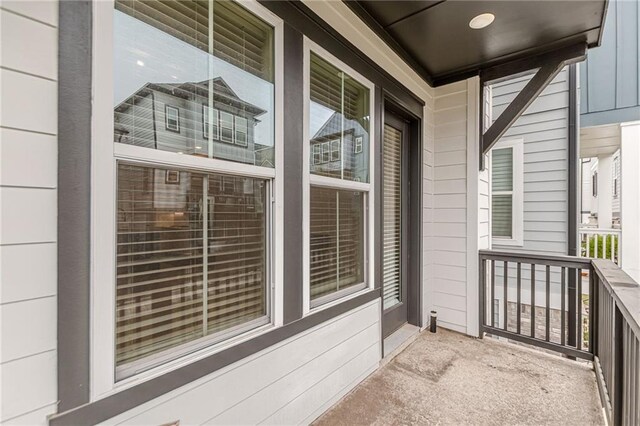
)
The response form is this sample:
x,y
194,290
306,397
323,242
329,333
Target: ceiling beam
x,y
549,65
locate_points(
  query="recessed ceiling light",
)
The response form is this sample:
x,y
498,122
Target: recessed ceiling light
x,y
139,62
482,21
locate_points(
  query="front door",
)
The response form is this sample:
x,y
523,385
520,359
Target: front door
x,y
394,222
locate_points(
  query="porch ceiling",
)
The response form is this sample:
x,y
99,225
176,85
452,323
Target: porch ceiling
x,y
434,37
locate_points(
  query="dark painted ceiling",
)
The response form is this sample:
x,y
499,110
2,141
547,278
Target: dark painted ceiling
x,y
435,38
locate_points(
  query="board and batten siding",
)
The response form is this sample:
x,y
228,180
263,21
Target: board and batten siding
x,y
544,130
292,382
611,73
28,210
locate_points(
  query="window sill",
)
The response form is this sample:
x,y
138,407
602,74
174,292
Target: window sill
x,y
185,360
506,242
347,295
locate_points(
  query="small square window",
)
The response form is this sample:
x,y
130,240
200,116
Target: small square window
x,y
172,118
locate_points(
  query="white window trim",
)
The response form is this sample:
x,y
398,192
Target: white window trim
x,y
517,219
317,180
357,148
209,113
235,131
103,206
166,118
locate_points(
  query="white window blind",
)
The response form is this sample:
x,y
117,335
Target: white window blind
x,y
502,192
239,38
180,276
336,240
392,228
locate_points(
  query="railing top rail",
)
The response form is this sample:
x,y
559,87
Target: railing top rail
x,y
541,259
600,230
624,289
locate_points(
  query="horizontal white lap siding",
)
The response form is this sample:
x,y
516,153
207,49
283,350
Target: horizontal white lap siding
x,y
544,129
28,211
447,230
289,383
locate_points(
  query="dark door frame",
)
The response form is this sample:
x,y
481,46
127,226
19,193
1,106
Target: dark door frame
x,y
412,231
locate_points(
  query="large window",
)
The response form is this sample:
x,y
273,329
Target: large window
x,y
338,169
194,178
506,192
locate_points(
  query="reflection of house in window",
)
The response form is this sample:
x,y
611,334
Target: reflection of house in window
x,y
333,149
188,117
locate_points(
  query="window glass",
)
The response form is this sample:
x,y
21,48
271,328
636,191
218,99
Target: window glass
x,y
502,192
210,122
191,260
339,109
226,127
337,240
241,131
172,118
317,153
186,54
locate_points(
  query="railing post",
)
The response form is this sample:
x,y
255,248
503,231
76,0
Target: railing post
x,y
481,295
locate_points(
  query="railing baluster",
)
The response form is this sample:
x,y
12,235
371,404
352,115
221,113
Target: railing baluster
x,y
571,314
562,306
579,310
506,286
533,300
519,292
592,311
547,324
493,292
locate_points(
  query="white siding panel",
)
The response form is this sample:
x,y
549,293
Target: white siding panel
x,y
192,404
33,48
27,384
544,128
39,151
41,10
37,417
28,102
261,405
27,215
27,328
19,279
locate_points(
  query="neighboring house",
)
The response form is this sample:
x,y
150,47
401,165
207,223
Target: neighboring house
x,y
185,117
610,137
529,175
231,212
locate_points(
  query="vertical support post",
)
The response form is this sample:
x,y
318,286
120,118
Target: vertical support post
x,y
506,295
482,295
518,306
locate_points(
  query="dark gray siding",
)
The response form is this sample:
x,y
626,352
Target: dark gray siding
x,y
611,74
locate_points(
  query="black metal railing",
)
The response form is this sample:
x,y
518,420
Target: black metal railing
x,y
537,299
583,308
616,348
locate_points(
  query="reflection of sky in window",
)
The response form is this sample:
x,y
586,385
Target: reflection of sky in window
x,y
166,59
318,115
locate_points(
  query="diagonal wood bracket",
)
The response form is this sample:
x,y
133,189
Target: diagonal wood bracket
x,y
549,65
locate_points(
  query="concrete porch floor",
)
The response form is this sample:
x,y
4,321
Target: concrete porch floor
x,y
448,378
